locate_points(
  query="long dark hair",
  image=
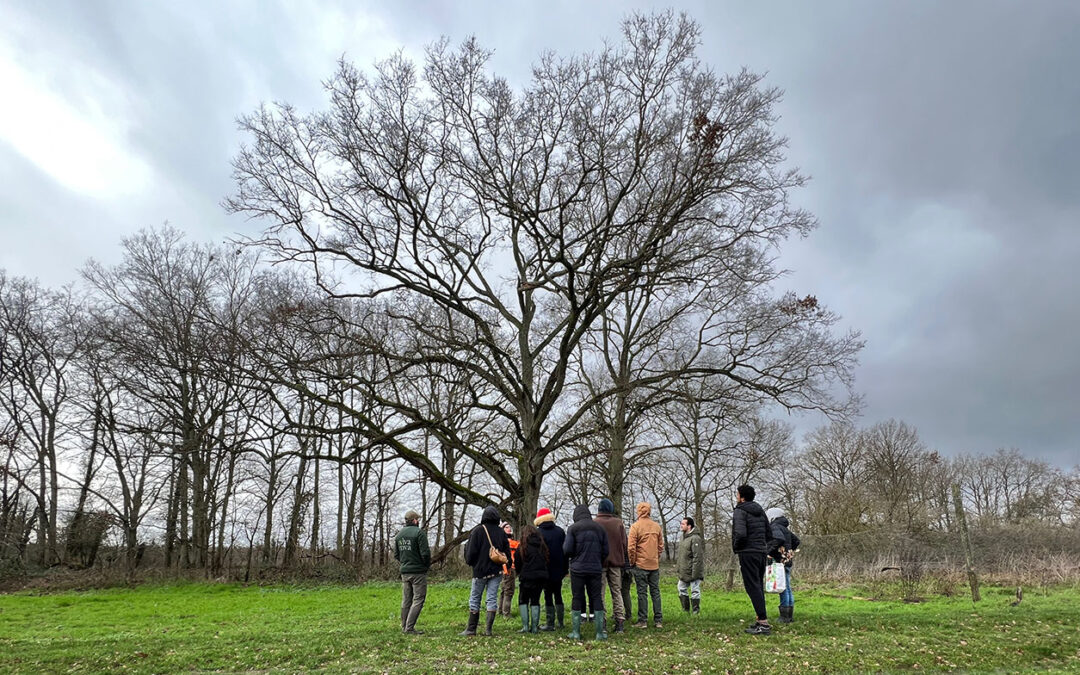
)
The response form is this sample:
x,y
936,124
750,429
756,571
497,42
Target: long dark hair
x,y
527,533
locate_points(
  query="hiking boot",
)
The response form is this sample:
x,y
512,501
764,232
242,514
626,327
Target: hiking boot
x,y
759,629
641,624
620,625
658,624
474,618
684,600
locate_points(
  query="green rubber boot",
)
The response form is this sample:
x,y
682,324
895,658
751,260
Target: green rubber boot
x,y
534,616
575,622
523,610
600,619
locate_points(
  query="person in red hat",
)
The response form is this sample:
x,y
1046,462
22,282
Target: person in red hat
x,y
554,536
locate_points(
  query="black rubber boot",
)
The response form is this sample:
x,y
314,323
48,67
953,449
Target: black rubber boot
x,y
490,622
474,618
560,614
549,612
695,606
785,614
684,600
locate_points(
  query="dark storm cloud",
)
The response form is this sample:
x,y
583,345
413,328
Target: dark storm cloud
x,y
942,139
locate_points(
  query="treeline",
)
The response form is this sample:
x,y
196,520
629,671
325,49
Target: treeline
x,y
192,408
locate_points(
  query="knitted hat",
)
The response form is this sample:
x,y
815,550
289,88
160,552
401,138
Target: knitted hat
x,y
544,515
606,506
774,513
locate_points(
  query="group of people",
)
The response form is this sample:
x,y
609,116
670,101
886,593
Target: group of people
x,y
601,557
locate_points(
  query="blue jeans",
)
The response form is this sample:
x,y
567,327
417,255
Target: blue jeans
x,y
787,598
479,586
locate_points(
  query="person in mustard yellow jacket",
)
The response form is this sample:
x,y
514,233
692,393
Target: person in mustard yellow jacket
x,y
645,543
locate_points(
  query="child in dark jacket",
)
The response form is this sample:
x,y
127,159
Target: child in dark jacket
x,y
531,563
785,543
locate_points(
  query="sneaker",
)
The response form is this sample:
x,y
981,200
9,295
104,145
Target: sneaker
x,y
641,624
659,624
413,631
759,629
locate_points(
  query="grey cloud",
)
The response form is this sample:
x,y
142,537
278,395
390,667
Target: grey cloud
x,y
942,139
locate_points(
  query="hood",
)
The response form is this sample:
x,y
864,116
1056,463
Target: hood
x,y
643,510
490,515
753,508
581,512
781,520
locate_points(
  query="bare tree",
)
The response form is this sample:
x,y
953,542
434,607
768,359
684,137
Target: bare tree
x,y
520,217
39,339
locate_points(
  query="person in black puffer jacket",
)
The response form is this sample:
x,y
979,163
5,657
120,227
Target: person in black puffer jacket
x,y
586,546
784,544
750,541
554,537
486,572
531,563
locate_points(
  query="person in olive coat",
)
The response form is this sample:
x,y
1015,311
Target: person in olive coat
x,y
690,566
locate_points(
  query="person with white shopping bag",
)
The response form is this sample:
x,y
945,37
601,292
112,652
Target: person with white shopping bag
x,y
750,541
786,543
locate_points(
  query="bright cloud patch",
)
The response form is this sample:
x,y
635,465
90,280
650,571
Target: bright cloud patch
x,y
78,146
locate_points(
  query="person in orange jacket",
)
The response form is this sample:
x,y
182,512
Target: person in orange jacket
x,y
506,592
645,543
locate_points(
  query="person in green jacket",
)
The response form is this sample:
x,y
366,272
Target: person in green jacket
x,y
691,566
412,551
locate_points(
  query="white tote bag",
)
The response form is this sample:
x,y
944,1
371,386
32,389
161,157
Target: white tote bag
x,y
775,579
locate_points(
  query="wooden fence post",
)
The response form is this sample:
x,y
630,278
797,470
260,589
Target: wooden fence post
x,y
973,580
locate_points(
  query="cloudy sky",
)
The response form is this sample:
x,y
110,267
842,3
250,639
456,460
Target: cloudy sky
x,y
943,140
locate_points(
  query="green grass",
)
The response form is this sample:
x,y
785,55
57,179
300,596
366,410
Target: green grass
x,y
284,628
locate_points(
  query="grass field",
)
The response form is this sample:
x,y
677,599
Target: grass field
x,y
193,627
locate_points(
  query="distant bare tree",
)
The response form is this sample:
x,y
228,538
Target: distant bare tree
x,y
39,340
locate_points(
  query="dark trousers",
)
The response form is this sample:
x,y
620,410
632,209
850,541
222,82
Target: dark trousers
x,y
648,586
580,584
529,592
752,566
627,582
553,592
